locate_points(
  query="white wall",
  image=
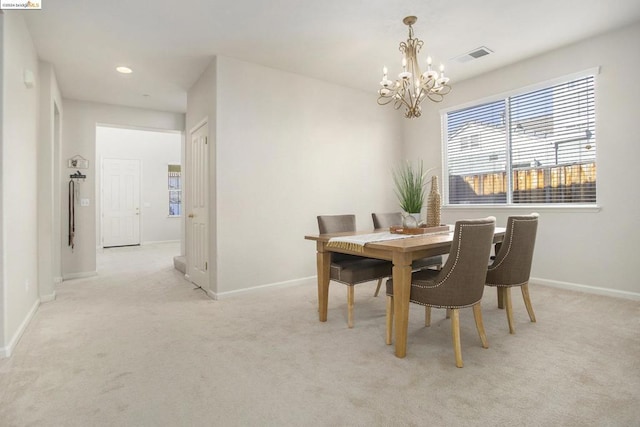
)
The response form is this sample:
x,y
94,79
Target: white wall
x,y
19,181
79,138
290,148
574,248
155,150
49,230
2,278
201,106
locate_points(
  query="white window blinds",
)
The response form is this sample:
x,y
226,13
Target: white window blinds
x,y
537,147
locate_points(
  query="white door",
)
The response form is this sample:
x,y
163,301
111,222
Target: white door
x,y
197,223
120,202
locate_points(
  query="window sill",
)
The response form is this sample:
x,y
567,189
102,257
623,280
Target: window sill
x,y
174,216
527,208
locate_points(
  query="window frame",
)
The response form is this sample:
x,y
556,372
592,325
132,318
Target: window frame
x,y
170,190
504,96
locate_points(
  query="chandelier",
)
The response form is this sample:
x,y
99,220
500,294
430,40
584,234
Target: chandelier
x,y
412,87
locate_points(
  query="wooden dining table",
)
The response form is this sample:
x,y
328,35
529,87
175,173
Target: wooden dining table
x,y
402,252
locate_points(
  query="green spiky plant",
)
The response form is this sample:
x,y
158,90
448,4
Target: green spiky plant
x,y
410,186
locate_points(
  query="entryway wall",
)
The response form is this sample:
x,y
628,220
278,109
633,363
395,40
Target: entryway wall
x,y
155,150
79,138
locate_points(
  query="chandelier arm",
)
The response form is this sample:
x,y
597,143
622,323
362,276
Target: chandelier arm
x,y
385,100
403,100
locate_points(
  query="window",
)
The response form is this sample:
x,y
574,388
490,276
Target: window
x,y
537,147
175,190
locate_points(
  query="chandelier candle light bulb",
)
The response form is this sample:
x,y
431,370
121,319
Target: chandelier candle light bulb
x,y
407,91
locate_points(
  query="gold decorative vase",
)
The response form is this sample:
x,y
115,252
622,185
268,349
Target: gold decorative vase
x,y
433,204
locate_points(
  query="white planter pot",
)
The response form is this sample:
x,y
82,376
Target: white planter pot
x,y
409,223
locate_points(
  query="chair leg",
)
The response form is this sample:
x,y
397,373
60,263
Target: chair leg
x,y
350,298
527,301
448,315
389,319
477,315
509,309
378,287
500,290
427,315
455,334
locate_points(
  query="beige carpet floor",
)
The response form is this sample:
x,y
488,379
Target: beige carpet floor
x,y
139,346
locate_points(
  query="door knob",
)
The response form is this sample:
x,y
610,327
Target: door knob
x,y
191,215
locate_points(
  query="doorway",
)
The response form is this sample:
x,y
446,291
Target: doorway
x,y
134,186
197,224
120,202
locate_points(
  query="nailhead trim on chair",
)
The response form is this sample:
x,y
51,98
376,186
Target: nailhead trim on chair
x,y
507,286
445,306
515,221
455,263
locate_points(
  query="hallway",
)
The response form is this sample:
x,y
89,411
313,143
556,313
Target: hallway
x,y
96,354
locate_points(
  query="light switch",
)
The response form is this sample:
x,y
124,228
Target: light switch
x,y
84,202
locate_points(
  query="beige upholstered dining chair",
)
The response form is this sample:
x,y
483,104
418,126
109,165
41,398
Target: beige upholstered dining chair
x,y
351,269
459,284
512,264
386,220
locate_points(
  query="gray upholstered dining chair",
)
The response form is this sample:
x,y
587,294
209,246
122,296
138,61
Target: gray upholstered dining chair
x,y
512,263
386,220
459,284
351,269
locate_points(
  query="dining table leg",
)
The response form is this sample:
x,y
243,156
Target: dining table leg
x,y
401,291
323,259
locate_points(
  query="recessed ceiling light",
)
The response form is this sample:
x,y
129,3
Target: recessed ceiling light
x,y
124,70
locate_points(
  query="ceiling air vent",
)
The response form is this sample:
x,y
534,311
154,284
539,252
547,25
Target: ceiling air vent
x,y
474,54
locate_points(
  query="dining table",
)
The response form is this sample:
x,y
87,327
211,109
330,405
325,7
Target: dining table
x,y
382,244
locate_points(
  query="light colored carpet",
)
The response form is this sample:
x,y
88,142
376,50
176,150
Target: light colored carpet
x,y
138,346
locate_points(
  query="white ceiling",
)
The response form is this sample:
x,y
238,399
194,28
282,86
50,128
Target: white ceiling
x,y
169,43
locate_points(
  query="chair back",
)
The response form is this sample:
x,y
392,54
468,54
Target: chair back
x,y
512,264
336,223
461,281
386,220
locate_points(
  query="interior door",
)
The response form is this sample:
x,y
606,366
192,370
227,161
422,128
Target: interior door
x,y
197,222
120,202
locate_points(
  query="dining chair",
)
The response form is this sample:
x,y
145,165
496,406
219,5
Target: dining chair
x,y
512,263
351,269
386,220
459,284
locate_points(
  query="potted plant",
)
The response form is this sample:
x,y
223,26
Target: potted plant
x,y
410,187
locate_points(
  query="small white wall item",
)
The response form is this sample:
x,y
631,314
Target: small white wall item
x,y
29,79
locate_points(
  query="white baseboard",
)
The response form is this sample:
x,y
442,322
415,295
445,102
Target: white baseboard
x,y
585,288
8,349
48,298
154,242
81,275
295,282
